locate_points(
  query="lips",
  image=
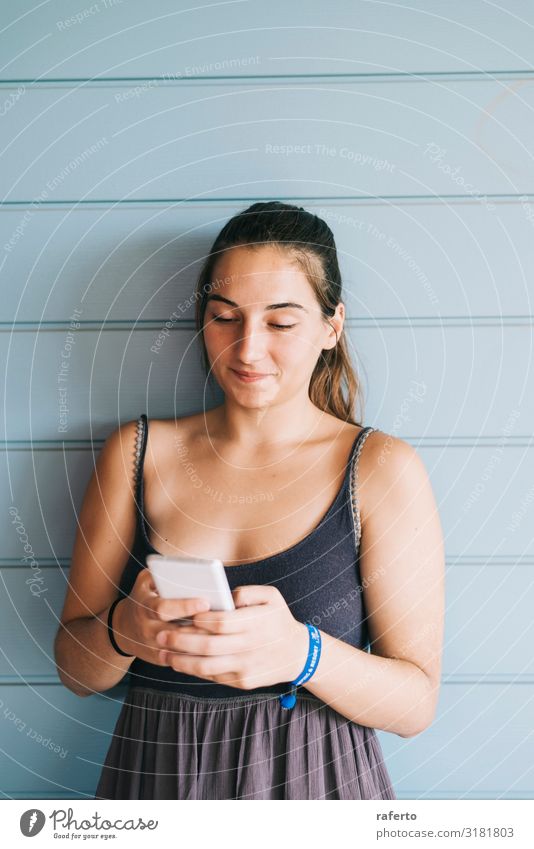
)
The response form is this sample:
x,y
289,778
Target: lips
x,y
249,377
250,373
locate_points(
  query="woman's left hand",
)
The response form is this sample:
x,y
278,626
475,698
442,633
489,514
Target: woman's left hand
x,y
257,645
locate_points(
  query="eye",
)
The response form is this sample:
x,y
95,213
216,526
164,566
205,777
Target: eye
x,y
229,320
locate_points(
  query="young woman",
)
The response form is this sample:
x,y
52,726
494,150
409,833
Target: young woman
x,y
324,527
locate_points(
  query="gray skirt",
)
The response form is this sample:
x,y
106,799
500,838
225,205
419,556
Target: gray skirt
x,y
169,745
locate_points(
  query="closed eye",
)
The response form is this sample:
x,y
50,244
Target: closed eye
x,y
229,320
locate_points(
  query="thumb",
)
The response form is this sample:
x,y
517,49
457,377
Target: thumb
x,y
147,580
252,594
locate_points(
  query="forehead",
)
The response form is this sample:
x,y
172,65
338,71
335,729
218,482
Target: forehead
x,y
266,271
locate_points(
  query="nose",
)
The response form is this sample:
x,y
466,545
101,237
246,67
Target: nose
x,y
250,346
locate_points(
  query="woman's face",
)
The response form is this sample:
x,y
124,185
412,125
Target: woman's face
x,y
247,328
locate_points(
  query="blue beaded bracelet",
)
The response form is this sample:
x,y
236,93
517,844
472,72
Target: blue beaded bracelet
x,y
288,700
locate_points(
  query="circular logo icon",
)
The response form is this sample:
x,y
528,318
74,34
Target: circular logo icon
x,y
31,822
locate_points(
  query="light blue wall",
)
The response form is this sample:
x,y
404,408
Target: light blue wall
x,y
130,135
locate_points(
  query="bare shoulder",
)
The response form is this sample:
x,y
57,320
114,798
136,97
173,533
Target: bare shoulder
x,y
106,527
113,477
388,467
166,436
384,449
116,459
161,429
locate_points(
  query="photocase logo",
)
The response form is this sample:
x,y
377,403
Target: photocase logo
x,y
31,822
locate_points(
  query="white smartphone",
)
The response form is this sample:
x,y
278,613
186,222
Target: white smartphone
x,y
191,577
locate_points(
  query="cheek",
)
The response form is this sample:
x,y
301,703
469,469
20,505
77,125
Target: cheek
x,y
295,350
302,349
214,341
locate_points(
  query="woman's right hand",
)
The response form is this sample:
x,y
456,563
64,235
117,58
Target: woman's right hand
x,y
141,615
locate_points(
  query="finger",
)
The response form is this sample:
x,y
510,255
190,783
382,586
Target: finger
x,y
228,621
228,678
168,609
147,578
147,603
252,594
205,645
185,629
145,588
202,667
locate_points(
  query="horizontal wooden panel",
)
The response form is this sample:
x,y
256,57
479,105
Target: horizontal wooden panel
x,y
432,381
492,637
398,260
54,741
104,365
447,381
484,497
298,138
480,742
117,39
488,620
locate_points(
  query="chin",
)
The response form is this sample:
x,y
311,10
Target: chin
x,y
250,399
249,394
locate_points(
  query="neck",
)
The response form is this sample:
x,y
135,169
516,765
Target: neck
x,y
275,425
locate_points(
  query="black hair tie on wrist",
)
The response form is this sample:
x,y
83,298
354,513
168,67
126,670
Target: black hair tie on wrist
x,y
110,630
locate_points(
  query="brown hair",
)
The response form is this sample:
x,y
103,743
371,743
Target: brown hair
x,y
310,242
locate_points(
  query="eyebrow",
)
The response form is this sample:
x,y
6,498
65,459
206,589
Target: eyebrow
x,y
286,304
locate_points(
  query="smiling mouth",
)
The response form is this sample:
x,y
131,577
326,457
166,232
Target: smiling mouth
x,y
249,376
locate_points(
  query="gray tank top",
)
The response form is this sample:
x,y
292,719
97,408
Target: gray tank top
x,y
319,578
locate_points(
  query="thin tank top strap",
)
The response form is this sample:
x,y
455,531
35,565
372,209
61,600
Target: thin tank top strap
x,y
140,448
353,479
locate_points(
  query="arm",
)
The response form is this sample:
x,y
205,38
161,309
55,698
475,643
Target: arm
x,y
85,659
396,687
